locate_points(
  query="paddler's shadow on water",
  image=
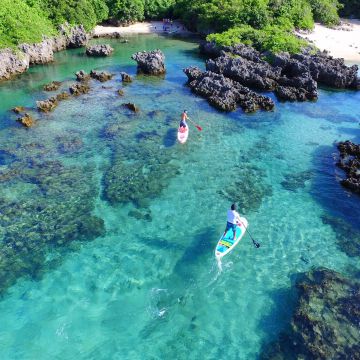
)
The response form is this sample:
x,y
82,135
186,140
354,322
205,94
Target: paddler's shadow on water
x,y
170,137
201,247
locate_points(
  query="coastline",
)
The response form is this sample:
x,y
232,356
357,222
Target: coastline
x,y
153,27
340,42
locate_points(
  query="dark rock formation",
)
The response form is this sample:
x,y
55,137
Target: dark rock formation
x,y
131,107
26,120
54,85
292,77
258,75
39,53
77,36
101,75
224,93
350,163
99,50
326,321
12,63
78,89
150,62
125,77
47,105
81,75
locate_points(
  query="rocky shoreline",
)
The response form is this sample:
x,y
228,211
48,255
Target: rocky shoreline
x,y
234,71
14,62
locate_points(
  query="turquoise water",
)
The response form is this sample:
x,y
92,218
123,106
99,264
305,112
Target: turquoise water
x,y
149,287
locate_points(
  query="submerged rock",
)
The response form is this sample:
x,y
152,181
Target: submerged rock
x,y
136,173
54,85
249,189
225,93
295,181
102,76
347,237
58,212
69,144
125,77
120,92
78,89
81,75
150,62
99,50
350,163
26,120
326,321
47,105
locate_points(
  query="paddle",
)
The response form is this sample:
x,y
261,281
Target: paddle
x,y
197,126
256,244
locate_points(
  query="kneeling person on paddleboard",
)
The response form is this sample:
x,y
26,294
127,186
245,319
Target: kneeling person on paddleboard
x,y
184,117
233,218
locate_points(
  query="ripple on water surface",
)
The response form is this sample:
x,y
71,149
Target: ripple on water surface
x,y
148,285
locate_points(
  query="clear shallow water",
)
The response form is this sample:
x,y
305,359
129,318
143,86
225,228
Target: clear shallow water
x,y
151,288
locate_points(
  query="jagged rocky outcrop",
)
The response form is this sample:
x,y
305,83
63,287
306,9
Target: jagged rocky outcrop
x,y
39,53
17,62
224,93
102,76
12,63
350,163
81,75
291,77
150,62
326,320
54,85
26,120
76,37
47,105
79,88
99,50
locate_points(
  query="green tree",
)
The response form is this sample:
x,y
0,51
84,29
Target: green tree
x,y
126,10
20,23
326,11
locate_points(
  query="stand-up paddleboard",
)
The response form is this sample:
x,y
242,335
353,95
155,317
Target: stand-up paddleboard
x,y
183,134
227,242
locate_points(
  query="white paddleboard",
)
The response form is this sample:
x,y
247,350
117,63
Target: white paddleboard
x,y
182,134
227,242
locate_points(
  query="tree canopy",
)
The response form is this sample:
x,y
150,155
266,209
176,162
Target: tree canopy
x,y
264,23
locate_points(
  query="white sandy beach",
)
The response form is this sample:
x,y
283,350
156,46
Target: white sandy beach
x,y
142,28
342,41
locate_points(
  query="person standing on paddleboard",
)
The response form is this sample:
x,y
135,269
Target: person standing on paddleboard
x,y
184,117
233,218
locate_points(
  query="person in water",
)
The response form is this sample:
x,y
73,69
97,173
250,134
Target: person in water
x,y
184,117
233,218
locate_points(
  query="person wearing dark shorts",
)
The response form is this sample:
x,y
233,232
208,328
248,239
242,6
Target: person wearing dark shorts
x,y
184,117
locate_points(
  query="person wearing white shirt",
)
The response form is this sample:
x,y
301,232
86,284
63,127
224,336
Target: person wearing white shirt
x,y
233,218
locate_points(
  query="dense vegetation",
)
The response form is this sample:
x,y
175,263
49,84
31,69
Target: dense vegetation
x,y
266,24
